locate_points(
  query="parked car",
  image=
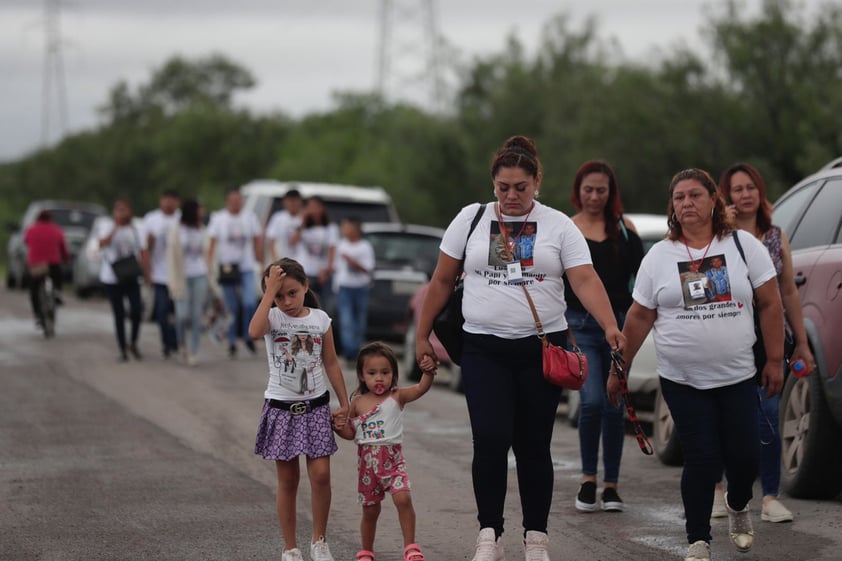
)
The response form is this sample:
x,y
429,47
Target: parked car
x,y
73,217
811,408
87,264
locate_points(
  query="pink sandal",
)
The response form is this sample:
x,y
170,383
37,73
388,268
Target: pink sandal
x,y
364,555
412,552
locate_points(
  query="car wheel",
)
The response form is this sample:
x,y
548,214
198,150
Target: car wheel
x,y
810,453
665,439
408,364
572,408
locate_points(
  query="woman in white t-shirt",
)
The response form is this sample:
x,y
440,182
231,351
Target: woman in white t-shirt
x,y
187,280
511,405
315,247
704,349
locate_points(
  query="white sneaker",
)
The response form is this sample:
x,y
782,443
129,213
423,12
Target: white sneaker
x,y
775,511
319,551
293,554
192,360
739,527
698,551
719,510
489,547
535,546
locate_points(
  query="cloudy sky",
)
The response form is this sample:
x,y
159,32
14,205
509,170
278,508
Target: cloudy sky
x,y
299,51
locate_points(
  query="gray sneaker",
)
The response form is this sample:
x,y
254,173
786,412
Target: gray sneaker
x,y
698,551
739,527
319,551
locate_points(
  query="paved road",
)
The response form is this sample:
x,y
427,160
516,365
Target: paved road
x,y
153,460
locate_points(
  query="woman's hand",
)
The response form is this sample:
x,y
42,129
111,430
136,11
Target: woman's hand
x,y
802,352
613,388
615,338
425,356
772,378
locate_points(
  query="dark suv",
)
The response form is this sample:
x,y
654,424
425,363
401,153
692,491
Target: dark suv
x,y
811,408
75,219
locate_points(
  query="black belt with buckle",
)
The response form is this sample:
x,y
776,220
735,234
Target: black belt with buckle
x,y
300,407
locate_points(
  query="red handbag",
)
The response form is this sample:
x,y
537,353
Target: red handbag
x,y
568,369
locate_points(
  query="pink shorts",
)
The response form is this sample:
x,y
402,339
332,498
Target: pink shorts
x,y
381,468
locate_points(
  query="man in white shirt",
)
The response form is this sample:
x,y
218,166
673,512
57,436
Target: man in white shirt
x,y
237,237
354,265
157,225
283,224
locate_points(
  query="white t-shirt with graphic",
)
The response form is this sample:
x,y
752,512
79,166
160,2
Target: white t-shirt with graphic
x,y
158,225
127,240
192,245
234,235
294,351
704,331
493,306
312,249
361,252
281,227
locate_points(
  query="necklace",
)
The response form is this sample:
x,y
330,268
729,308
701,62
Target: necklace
x,y
694,266
505,231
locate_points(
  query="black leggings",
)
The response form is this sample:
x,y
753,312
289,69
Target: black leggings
x,y
511,406
116,294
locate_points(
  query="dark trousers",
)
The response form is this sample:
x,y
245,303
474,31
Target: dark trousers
x,y
56,275
717,428
117,293
164,311
510,406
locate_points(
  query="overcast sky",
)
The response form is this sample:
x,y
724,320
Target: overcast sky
x,y
299,51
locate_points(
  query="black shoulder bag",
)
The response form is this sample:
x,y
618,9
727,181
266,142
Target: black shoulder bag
x,y
448,324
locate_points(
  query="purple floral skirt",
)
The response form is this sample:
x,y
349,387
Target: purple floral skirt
x,y
284,436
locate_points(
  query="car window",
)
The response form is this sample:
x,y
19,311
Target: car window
x,y
72,217
820,223
401,249
788,210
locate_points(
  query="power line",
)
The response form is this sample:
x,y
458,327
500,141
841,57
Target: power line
x,y
53,72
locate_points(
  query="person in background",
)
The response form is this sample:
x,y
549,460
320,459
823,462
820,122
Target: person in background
x,y
119,238
704,347
744,191
616,251
187,280
282,225
45,245
157,224
235,235
510,404
315,248
354,264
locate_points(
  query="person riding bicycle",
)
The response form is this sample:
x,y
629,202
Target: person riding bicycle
x,y
46,246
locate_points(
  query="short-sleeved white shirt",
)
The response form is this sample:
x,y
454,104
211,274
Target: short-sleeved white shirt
x,y
294,351
234,235
361,252
192,245
312,249
127,240
281,227
703,333
491,305
158,225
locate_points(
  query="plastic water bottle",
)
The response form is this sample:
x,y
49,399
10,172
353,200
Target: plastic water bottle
x,y
798,368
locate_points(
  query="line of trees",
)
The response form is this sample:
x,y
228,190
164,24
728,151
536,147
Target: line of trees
x,y
769,92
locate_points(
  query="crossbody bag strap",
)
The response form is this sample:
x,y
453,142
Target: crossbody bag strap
x,y
538,325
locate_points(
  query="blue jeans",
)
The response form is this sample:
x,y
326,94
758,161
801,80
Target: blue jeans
x,y
770,443
189,311
352,306
240,296
596,414
511,406
717,429
163,305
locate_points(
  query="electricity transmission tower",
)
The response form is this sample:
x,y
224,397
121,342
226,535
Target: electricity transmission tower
x,y
408,53
53,72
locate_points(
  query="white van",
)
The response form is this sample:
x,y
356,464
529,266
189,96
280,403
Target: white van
x,y
369,204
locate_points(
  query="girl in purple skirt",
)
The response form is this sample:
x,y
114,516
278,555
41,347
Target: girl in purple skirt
x,y
296,418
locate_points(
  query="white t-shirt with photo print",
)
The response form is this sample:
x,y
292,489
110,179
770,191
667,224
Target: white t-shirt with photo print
x,y
234,235
703,333
493,306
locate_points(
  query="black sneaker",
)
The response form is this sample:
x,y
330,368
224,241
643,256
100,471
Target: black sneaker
x,y
586,499
250,346
611,501
135,352
232,350
123,357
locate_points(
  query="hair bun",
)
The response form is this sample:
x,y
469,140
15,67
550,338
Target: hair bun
x,y
522,143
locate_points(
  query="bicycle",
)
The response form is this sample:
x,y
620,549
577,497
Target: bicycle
x,y
46,302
